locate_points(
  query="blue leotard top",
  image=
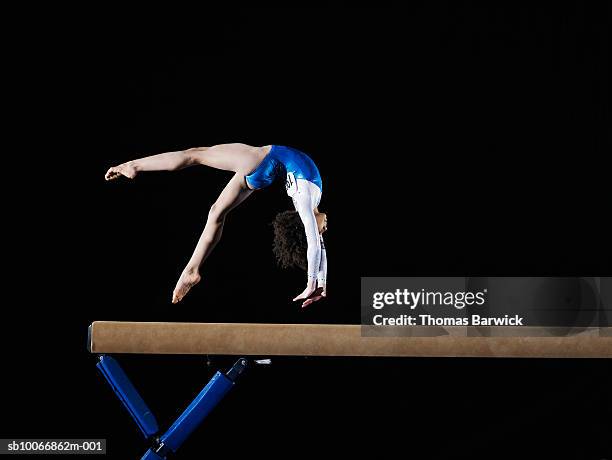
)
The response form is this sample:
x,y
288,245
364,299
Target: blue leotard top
x,y
280,161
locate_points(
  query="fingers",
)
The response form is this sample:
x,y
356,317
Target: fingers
x,y
312,300
307,302
301,296
317,295
308,293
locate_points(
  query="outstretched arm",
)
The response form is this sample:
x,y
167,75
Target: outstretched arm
x,y
305,208
169,161
234,193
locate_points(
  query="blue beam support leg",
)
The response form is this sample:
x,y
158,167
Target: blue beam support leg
x,y
196,412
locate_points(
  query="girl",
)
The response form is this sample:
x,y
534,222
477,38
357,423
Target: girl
x,y
298,239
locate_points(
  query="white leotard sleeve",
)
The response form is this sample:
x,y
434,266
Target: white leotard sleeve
x,y
306,199
322,275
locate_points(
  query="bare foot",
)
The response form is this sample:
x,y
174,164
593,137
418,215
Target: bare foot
x,y
125,169
189,278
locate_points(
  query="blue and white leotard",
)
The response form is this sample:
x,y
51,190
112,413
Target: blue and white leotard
x,y
304,186
280,161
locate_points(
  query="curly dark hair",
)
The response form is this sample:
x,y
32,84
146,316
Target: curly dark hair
x,y
289,245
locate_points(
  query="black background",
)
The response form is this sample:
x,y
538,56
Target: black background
x,y
453,139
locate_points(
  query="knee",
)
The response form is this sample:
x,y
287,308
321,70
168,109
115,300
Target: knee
x,y
216,212
214,209
194,155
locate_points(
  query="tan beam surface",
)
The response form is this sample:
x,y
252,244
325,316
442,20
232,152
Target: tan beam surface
x,y
340,340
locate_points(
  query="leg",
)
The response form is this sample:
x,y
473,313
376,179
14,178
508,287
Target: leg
x,y
168,161
234,193
229,157
210,396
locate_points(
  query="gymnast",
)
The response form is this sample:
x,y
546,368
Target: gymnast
x,y
298,235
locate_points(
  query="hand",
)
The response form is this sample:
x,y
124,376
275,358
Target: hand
x,y
319,294
310,288
126,169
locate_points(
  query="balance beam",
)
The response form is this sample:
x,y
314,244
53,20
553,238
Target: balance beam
x,y
342,340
